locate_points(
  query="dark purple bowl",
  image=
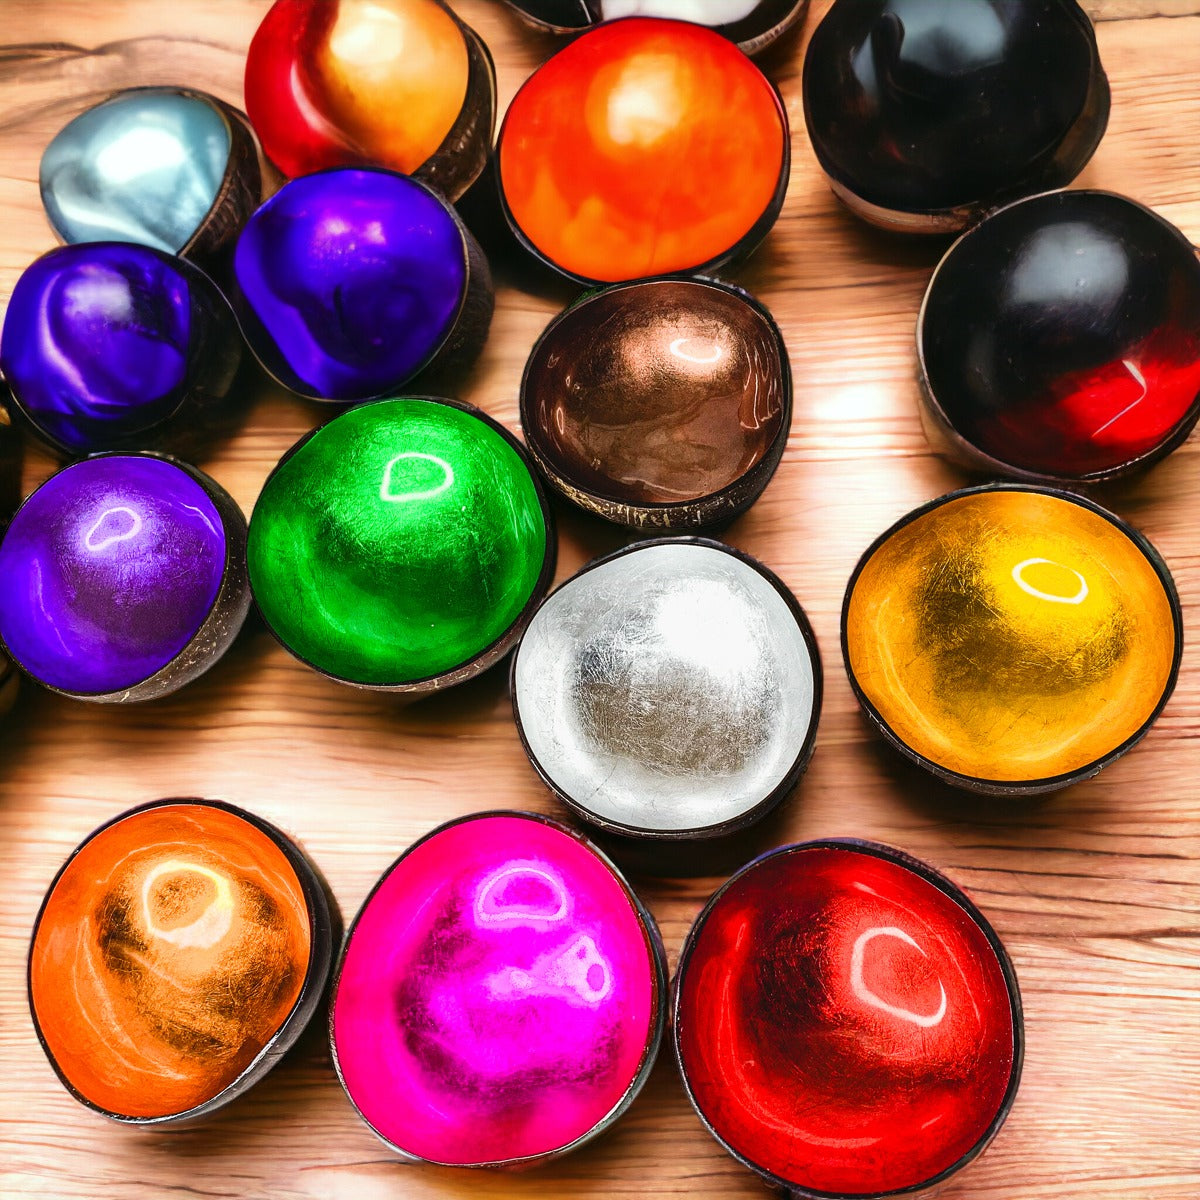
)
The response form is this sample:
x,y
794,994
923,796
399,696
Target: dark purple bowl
x,y
350,282
113,346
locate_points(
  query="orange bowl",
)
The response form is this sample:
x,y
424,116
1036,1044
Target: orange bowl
x,y
644,147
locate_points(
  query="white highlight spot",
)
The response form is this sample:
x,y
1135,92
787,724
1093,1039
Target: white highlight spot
x,y
865,994
126,157
679,347
490,909
385,488
135,527
1018,578
210,926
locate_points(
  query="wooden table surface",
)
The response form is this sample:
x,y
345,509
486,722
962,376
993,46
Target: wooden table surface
x,y
1095,890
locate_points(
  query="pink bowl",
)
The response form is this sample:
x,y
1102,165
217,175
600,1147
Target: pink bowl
x,y
500,996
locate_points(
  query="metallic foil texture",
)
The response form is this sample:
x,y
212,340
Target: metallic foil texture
x,y
843,1024
397,542
1011,635
499,998
670,688
145,166
110,570
656,393
170,951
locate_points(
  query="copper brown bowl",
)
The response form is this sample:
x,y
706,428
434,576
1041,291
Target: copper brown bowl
x,y
664,403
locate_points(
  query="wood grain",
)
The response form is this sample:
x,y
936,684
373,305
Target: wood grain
x,y
1096,889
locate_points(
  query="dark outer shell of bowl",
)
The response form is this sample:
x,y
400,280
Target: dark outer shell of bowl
x,y
460,159
12,457
241,191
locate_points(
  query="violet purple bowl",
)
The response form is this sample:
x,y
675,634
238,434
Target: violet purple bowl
x,y
113,346
124,577
350,282
500,998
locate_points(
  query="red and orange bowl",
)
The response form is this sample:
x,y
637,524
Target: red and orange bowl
x,y
402,84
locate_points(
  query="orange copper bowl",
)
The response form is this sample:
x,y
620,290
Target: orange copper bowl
x,y
644,147
179,952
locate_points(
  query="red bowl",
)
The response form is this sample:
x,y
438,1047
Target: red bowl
x,y
847,1023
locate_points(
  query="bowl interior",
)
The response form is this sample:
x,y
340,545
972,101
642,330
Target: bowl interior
x,y
1011,636
657,393
834,997
638,711
171,949
1061,336
644,147
499,996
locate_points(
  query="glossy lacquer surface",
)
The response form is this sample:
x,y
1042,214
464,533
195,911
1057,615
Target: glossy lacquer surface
x,y
499,994
643,147
844,1024
145,166
703,12
1011,635
348,282
922,105
334,83
110,568
1062,335
659,392
170,950
104,342
577,14
398,542
669,688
